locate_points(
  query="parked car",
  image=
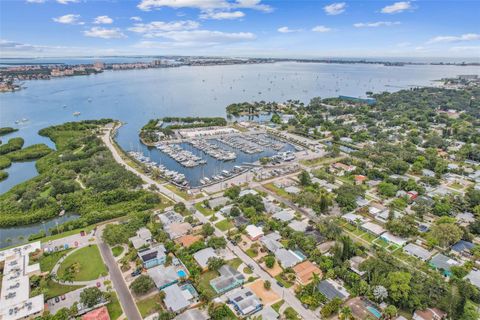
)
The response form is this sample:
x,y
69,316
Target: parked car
x,y
136,272
57,299
280,284
99,284
63,297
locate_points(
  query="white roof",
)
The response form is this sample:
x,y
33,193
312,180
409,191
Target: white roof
x,y
474,277
300,226
247,191
373,228
284,215
15,301
176,299
393,238
417,251
254,231
287,258
203,255
352,217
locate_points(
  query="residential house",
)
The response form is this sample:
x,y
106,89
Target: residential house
x,y
355,265
443,264
305,271
353,218
229,279
417,251
429,314
97,314
390,237
245,302
299,226
247,191
177,230
284,216
293,190
474,277
373,228
176,299
202,256
153,256
142,239
287,258
332,289
360,179
170,217
254,232
463,248
193,314
163,276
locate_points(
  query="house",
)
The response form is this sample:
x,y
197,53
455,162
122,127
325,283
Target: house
x,y
332,289
202,256
176,230
428,173
361,202
153,256
343,167
229,279
417,251
270,241
170,217
462,247
443,263
355,263
143,238
187,240
270,207
97,314
293,190
287,258
389,237
284,216
163,276
240,221
360,179
304,272
429,314
218,202
353,218
247,191
311,232
373,228
268,313
299,226
177,299
465,218
192,314
254,232
245,302
474,277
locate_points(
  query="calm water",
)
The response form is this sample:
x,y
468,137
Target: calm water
x,y
136,96
17,172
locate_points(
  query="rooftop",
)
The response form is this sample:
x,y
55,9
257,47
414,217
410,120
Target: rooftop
x,y
245,301
203,255
229,278
287,258
170,217
305,271
163,276
331,289
417,251
176,299
97,314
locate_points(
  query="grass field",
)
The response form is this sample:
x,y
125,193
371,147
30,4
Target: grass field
x,y
48,261
204,283
116,251
280,192
319,161
150,305
56,289
205,211
277,305
285,283
224,225
90,264
251,253
114,308
235,263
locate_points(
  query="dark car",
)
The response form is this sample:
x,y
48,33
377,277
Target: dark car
x,y
280,284
57,299
136,272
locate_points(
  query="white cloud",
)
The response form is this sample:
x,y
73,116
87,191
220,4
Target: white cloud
x,y
203,5
335,8
473,49
158,28
67,1
199,38
463,37
222,15
68,19
35,1
287,30
397,7
104,33
321,29
103,20
137,19
375,24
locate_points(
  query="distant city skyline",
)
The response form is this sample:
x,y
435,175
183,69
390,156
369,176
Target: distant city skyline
x,y
254,28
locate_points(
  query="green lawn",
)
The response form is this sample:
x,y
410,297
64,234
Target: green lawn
x,y
251,253
204,283
235,263
55,289
90,262
117,250
48,260
247,270
292,313
277,305
114,308
205,211
178,192
150,305
224,225
320,160
285,283
280,192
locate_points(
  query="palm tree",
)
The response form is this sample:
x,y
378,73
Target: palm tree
x,y
346,313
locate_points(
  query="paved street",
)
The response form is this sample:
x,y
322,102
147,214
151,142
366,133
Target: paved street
x,y
126,300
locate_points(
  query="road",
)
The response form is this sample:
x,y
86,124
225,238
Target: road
x,y
126,300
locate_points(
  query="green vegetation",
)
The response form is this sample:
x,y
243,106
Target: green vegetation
x,y
7,130
12,145
150,305
49,260
277,305
31,152
110,190
3,175
224,225
117,250
142,284
5,162
114,307
82,265
204,283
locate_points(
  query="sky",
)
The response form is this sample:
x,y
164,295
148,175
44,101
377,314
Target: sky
x,y
240,28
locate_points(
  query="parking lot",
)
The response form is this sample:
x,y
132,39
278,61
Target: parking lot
x,y
73,241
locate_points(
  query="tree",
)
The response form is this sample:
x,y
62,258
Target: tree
x,y
220,312
470,311
207,230
387,189
276,119
331,307
270,261
445,234
267,285
399,286
90,297
232,192
380,293
217,242
142,284
235,212
346,313
304,178
215,263
180,207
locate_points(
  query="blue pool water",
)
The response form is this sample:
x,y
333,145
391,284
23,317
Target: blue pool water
x,y
375,312
181,274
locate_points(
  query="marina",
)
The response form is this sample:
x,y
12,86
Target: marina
x,y
213,150
184,157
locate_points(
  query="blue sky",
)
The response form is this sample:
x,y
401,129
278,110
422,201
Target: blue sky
x,y
295,28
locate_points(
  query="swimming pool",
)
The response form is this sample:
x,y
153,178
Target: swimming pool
x,y
181,274
375,312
